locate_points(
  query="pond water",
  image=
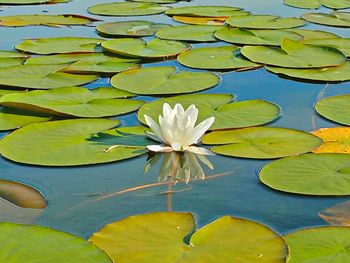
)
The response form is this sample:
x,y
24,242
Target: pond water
x,y
77,197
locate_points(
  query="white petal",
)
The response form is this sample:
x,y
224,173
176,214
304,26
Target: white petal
x,y
200,129
154,137
167,110
192,114
199,150
154,127
159,148
177,147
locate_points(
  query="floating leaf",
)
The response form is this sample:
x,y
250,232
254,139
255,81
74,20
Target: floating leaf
x,y
335,140
294,54
130,28
309,4
7,91
310,174
313,34
21,195
255,37
320,244
13,118
74,101
327,74
158,1
48,20
338,214
163,80
337,19
336,4
227,115
43,244
219,241
195,33
198,20
217,58
127,9
206,11
8,62
265,22
155,48
31,2
12,54
335,108
41,77
261,142
45,46
73,142
91,63
343,44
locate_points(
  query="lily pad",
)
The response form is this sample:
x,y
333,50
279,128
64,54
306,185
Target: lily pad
x,y
74,101
41,77
9,62
199,20
155,48
158,1
43,244
73,142
335,140
219,241
91,63
265,22
46,46
313,34
337,19
130,28
294,54
205,11
216,58
13,118
335,108
227,115
194,33
319,244
12,54
338,214
255,37
327,74
314,4
164,80
127,9
309,174
7,91
261,142
48,20
21,195
31,2
342,44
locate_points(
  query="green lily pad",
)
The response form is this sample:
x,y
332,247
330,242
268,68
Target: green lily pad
x,y
255,37
309,4
9,62
327,74
265,22
195,33
163,80
335,108
262,142
158,1
220,241
13,118
320,244
48,20
155,48
336,4
127,9
41,77
205,11
46,46
337,19
201,20
227,115
294,54
343,44
91,63
43,244
216,58
130,28
12,54
73,142
309,174
313,34
21,195
31,2
7,91
74,101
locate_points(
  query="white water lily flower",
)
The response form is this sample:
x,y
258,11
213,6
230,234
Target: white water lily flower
x,y
177,130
